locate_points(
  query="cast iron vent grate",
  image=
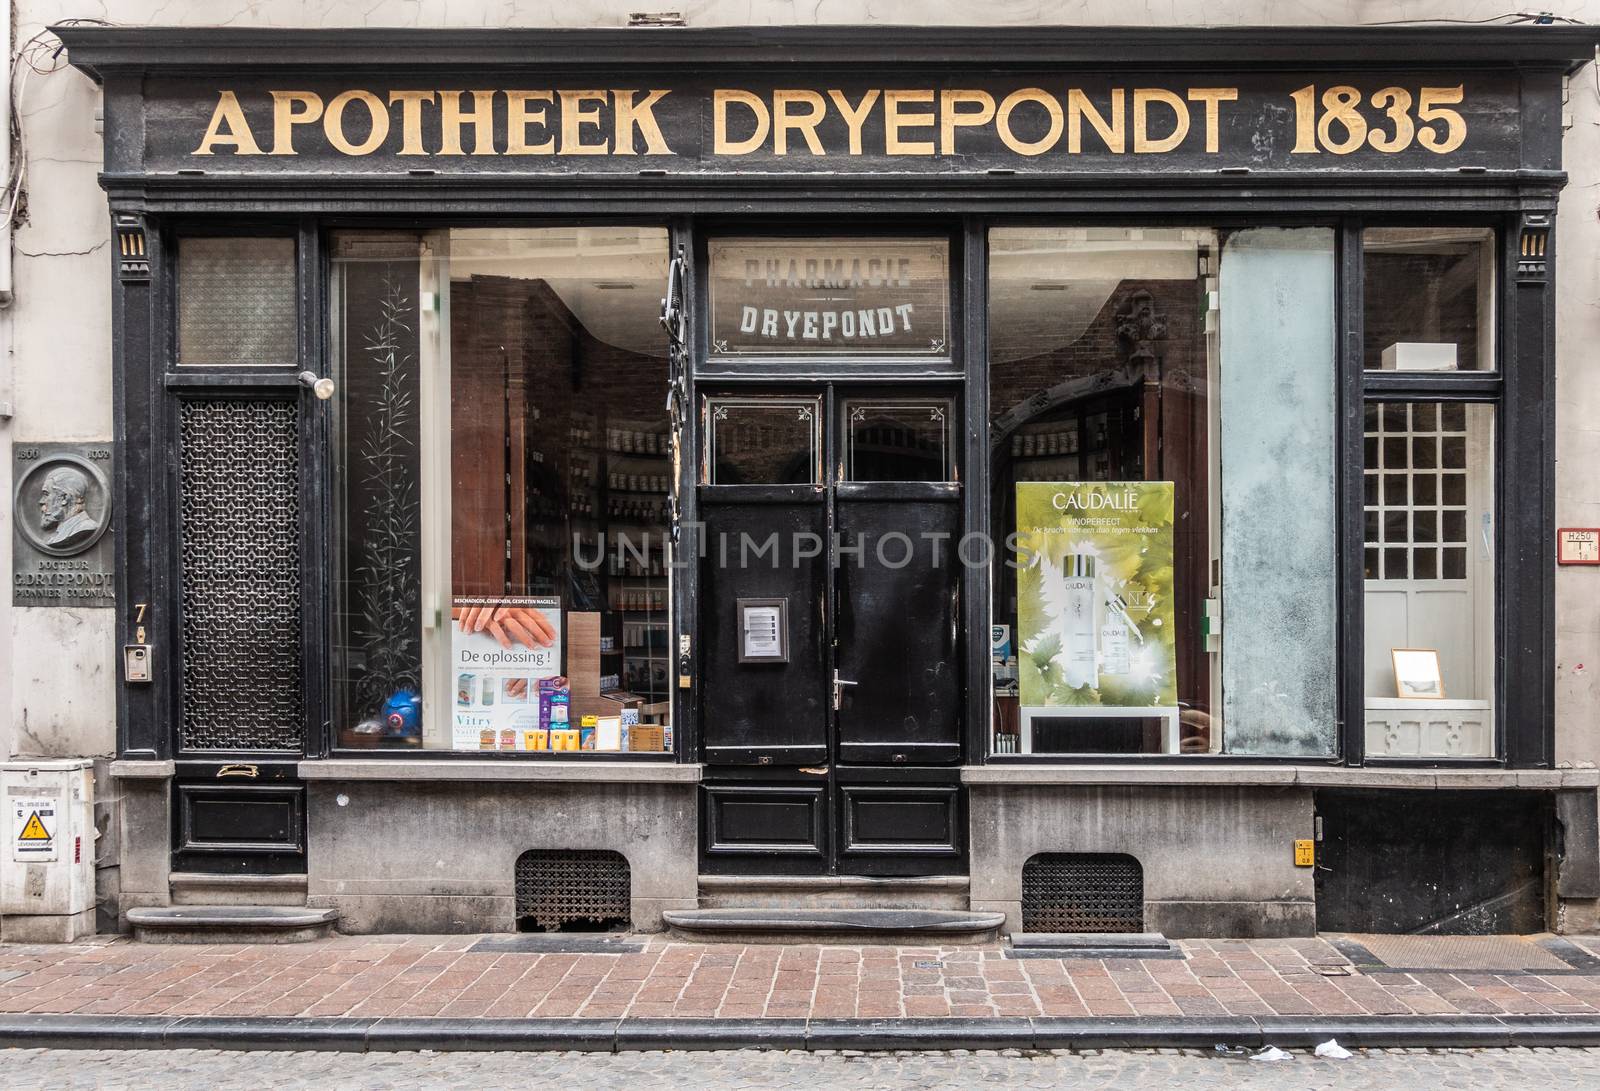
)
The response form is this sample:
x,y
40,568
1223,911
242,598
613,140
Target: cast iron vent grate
x,y
1082,892
589,888
239,535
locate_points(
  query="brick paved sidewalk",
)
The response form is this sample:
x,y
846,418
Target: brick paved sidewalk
x,y
444,976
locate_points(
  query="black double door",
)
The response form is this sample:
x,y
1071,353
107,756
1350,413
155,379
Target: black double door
x,y
832,690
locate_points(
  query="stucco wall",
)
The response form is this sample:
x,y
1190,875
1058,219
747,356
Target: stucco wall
x,y
57,673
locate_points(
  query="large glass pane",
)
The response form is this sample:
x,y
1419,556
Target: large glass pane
x,y
898,440
237,301
1103,377
762,441
1279,555
1430,647
1428,302
502,483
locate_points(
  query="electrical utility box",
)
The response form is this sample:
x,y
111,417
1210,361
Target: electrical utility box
x,y
47,860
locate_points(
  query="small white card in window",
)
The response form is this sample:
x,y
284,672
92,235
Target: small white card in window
x,y
763,630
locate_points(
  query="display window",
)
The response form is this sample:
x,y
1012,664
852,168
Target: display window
x,y
1430,528
1429,574
502,490
1163,484
1162,407
1428,300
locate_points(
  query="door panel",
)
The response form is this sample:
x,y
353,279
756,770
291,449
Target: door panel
x,y
804,777
254,824
766,827
897,624
764,713
900,821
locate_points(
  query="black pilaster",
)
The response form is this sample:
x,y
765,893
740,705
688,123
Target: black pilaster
x,y
1527,570
143,602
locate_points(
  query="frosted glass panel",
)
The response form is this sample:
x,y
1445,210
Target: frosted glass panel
x,y
1279,569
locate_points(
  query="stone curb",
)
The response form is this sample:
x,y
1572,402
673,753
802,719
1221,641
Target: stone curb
x,y
621,1035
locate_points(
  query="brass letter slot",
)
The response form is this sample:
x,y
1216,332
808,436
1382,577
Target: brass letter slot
x,y
251,771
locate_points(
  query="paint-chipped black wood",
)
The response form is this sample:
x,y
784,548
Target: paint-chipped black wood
x,y
1441,863
316,497
899,821
238,825
1527,499
1239,120
115,49
136,500
897,625
763,713
1350,460
686,727
778,825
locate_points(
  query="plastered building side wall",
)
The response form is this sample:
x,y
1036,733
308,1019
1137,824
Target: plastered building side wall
x,y
57,668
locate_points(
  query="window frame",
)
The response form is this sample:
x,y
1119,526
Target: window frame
x,y
325,732
1519,388
302,261
1519,391
1495,388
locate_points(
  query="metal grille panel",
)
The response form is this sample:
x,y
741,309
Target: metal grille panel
x,y
236,301
558,886
1082,892
239,482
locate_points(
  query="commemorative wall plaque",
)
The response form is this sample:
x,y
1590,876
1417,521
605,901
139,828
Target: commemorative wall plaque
x,y
60,515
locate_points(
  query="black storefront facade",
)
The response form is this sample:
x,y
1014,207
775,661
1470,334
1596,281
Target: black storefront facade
x,y
565,477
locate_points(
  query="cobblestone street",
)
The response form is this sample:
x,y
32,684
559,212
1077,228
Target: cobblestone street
x,y
210,1070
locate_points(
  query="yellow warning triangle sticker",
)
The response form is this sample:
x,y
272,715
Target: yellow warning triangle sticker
x,y
34,830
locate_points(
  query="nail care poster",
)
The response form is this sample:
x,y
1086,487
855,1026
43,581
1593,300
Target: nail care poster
x,y
500,649
1095,594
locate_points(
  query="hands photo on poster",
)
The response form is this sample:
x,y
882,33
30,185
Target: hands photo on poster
x,y
502,649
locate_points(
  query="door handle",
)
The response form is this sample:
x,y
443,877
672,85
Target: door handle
x,y
838,689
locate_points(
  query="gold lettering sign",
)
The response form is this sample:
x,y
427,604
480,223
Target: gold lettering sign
x,y
912,122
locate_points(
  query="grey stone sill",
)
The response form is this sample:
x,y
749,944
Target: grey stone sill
x,y
1203,774
125,769
586,772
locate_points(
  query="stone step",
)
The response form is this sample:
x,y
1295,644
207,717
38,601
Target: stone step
x,y
211,888
1120,940
833,892
1092,945
824,925
231,923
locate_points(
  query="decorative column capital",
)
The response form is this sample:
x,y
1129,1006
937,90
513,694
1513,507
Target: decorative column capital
x,y
1532,243
133,259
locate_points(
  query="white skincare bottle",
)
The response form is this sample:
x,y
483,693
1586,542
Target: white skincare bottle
x,y
1114,652
1078,627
